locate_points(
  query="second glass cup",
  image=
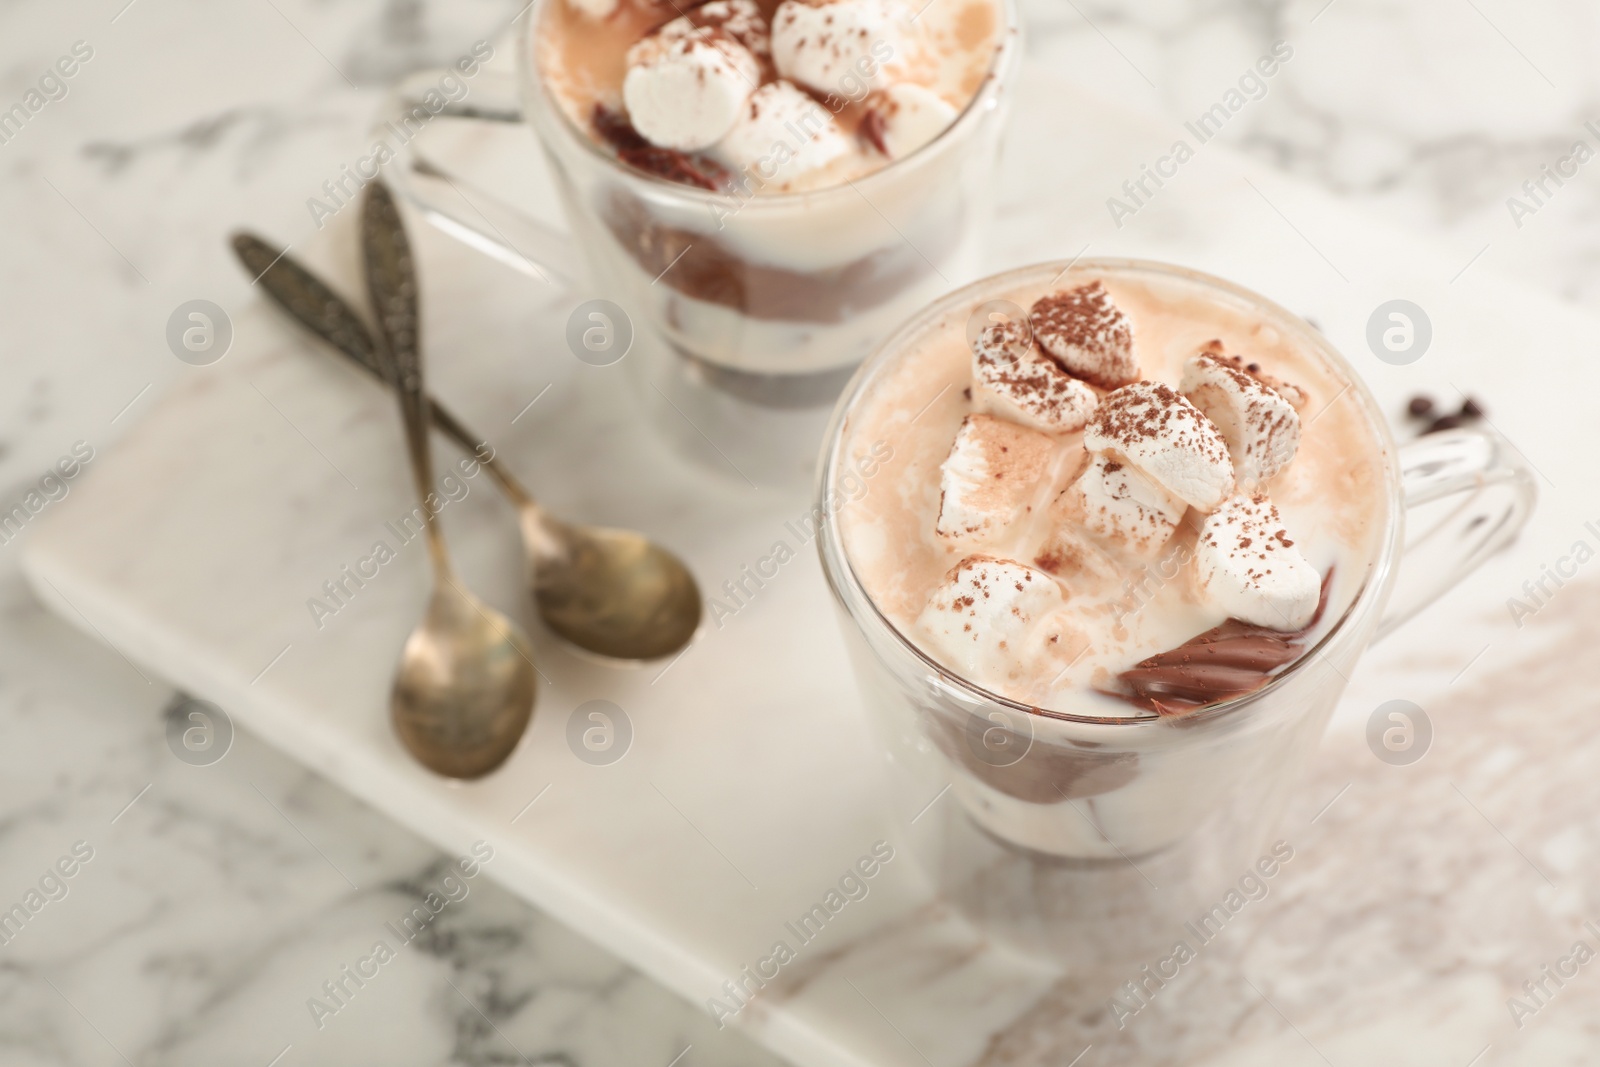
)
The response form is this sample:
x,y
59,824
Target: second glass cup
x,y
747,313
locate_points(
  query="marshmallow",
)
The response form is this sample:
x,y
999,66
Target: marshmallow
x,y
1069,552
781,136
1261,427
980,622
1295,395
1126,508
739,19
686,90
1087,334
905,117
1246,565
837,46
1010,379
1167,438
990,477
1070,555
595,9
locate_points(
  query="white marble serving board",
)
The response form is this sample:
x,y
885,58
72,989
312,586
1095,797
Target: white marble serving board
x,y
193,547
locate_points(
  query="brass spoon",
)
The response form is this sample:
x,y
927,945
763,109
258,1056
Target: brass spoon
x,y
464,690
613,593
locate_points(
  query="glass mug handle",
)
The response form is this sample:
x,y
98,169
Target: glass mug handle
x,y
1485,494
474,217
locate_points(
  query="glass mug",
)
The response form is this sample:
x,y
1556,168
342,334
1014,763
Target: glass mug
x,y
747,315
1093,840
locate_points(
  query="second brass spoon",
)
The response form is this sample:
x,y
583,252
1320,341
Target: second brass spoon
x,y
613,593
465,686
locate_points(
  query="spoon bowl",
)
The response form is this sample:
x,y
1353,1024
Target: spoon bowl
x,y
465,687
614,593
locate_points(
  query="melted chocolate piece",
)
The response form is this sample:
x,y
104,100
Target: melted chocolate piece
x,y
613,129
874,129
1226,662
676,166
1047,773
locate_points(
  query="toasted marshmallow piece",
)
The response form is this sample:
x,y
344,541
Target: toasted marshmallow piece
x,y
905,117
781,136
595,9
980,622
1012,380
837,46
687,91
1246,564
1087,334
1261,427
990,477
1167,438
1126,508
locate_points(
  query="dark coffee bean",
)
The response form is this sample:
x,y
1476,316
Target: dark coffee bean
x,y
1420,407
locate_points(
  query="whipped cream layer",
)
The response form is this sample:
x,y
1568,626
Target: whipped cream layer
x,y
756,97
1063,561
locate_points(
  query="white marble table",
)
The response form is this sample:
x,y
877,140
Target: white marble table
x,y
218,903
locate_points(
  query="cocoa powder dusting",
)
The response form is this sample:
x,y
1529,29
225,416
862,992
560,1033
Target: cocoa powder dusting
x,y
1087,334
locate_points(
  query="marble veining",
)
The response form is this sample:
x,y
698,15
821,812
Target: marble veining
x,y
208,917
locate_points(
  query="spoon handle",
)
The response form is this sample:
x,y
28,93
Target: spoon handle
x,y
392,287
310,302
